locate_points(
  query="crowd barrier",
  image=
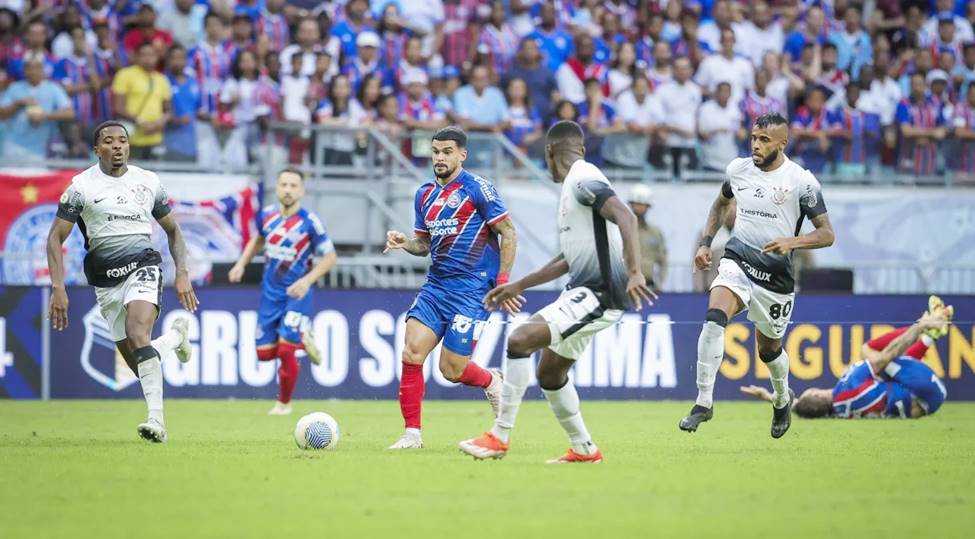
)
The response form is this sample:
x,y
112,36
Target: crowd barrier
x,y
360,332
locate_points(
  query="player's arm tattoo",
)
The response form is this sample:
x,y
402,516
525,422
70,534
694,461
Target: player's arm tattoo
x,y
418,246
717,215
509,243
177,247
895,349
613,209
60,230
821,237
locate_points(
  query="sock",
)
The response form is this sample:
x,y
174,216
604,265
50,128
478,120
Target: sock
x,y
475,375
411,388
517,376
287,372
267,353
918,349
710,352
778,370
151,379
882,341
166,342
565,405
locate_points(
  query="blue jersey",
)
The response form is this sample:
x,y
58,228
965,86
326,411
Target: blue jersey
x,y
861,393
290,243
457,217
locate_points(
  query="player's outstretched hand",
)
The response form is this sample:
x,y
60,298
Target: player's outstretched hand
x,y
298,289
758,392
185,293
639,292
781,246
236,273
57,310
507,296
394,240
702,259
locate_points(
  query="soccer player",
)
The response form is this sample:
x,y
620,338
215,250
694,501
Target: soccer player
x,y
459,220
113,203
600,250
889,382
773,197
291,237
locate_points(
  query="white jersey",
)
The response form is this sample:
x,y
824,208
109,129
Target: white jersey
x,y
115,216
592,246
771,205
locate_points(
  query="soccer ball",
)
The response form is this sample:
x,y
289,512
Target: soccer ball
x,y
317,430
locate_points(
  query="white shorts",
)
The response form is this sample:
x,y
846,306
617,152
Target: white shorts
x,y
574,318
143,284
770,311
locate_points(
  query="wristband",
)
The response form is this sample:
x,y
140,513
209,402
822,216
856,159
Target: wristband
x,y
503,278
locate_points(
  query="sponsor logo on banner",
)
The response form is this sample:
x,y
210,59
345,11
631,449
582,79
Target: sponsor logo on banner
x,y
25,248
100,359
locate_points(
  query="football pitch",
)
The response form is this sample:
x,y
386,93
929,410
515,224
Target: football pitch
x,y
77,469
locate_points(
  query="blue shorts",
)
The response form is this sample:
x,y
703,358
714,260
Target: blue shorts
x,y
918,382
456,318
282,317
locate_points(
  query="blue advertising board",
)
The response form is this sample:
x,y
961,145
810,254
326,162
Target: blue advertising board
x,y
360,332
21,338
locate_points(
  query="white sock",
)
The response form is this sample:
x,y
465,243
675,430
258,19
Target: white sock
x,y
779,373
167,342
928,341
565,404
517,376
151,378
710,352
411,430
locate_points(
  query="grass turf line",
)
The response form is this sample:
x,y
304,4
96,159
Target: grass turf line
x,y
78,469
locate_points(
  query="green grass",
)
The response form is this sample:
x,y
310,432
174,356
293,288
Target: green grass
x,y
76,469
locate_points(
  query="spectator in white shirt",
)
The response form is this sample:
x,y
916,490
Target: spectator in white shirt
x,y
661,71
718,123
761,34
573,73
963,28
679,100
721,18
726,67
640,111
625,69
308,39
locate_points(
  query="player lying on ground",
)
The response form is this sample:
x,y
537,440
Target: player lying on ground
x,y
773,196
600,250
890,382
291,237
459,219
113,204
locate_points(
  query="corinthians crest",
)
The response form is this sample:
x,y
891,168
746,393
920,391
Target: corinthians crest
x,y
779,195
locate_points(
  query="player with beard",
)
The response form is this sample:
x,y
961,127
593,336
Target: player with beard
x,y
774,195
113,203
459,220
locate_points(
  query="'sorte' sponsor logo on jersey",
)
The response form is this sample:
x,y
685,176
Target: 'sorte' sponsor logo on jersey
x,y
442,227
756,273
121,271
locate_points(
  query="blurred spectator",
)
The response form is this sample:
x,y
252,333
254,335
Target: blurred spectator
x,y
106,47
274,24
480,106
183,19
86,79
565,110
35,48
392,36
142,96
388,117
758,102
679,100
827,74
210,62
367,62
718,125
812,30
307,37
653,247
526,123
458,30
623,10
689,44
609,39
938,83
672,21
964,72
320,80
921,128
11,46
586,18
661,71
572,74
417,108
964,131
599,120
356,21
339,109
721,18
810,131
411,63
180,134
784,84
369,94
648,33
944,10
30,110
728,67
624,70
761,34
62,45
425,18
145,31
946,39
555,44
444,84
499,38
856,132
853,46
272,66
241,35
528,66
640,112
294,91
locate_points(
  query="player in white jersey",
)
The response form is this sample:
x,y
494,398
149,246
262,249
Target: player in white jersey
x,y
113,204
774,195
600,250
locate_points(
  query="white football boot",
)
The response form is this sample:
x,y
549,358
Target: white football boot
x,y
280,408
152,430
311,349
410,439
183,350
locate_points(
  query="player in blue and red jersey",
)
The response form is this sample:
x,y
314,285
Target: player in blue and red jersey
x,y
291,237
461,222
921,120
890,381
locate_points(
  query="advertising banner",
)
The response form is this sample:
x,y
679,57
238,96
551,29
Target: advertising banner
x,y
21,343
360,332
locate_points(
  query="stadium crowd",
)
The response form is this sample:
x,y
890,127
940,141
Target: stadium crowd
x,y
868,86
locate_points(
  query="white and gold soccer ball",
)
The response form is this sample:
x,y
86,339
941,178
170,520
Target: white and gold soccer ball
x,y
317,430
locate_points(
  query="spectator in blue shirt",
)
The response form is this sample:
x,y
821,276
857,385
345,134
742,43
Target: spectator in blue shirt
x,y
180,135
30,110
555,44
480,106
528,66
356,21
812,30
853,46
